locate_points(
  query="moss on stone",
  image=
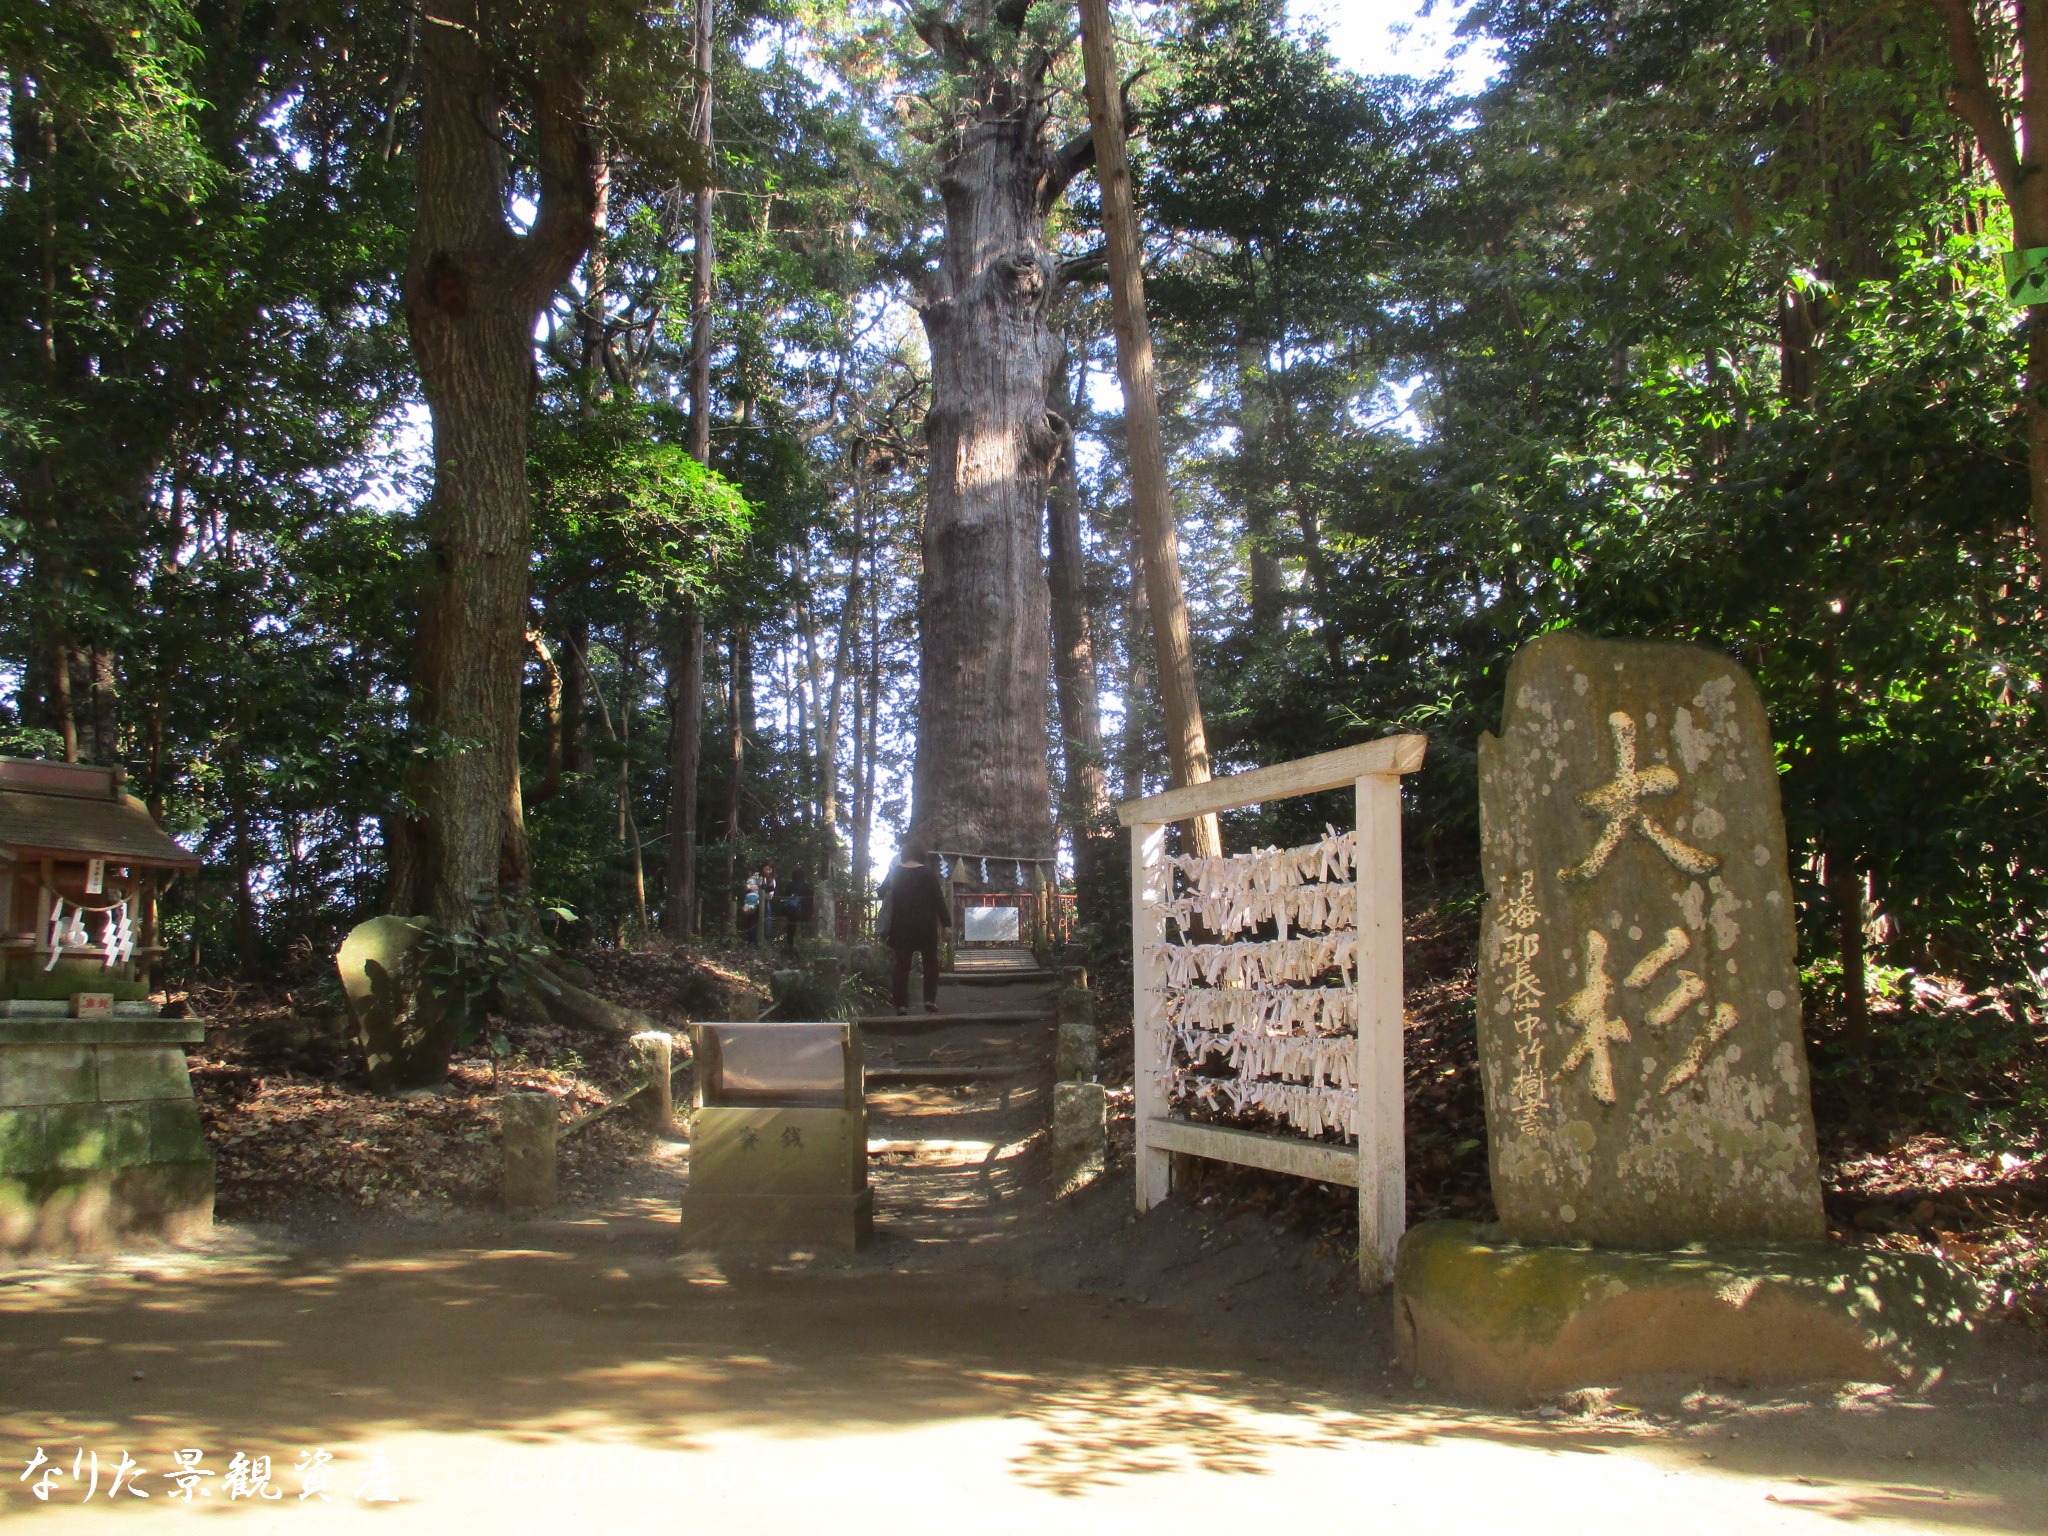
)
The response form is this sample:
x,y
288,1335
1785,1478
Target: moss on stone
x,y
1911,1308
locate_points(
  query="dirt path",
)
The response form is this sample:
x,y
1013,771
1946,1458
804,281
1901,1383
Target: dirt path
x,y
995,1363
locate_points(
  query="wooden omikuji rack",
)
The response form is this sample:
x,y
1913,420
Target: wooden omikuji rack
x,y
1377,1165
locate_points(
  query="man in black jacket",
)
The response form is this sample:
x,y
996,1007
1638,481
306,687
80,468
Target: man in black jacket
x,y
918,909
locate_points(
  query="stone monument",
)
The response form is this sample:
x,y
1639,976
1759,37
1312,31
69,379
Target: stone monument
x,y
1639,1022
1649,1120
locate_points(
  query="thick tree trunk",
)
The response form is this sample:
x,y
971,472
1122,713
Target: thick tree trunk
x,y
1187,742
981,780
474,291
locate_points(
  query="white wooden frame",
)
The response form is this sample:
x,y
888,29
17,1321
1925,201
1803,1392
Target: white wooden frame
x,y
1378,1167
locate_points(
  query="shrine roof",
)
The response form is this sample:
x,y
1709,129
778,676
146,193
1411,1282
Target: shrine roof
x,y
74,810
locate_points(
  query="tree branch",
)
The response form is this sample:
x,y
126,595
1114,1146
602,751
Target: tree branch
x,y
1068,161
566,162
1972,99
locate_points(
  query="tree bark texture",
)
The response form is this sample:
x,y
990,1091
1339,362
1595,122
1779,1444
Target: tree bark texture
x,y
685,668
981,781
1187,742
1084,784
473,292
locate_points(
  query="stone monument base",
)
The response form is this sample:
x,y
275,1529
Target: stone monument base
x,y
1483,1317
101,1144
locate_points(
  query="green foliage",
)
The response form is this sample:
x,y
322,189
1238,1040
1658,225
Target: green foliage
x,y
622,506
468,973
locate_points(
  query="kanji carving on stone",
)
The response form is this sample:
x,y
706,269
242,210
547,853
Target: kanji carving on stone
x,y
1690,988
1586,1010
1519,910
1619,803
1522,994
1725,1019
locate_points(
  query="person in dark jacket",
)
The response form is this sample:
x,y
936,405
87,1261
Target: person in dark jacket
x,y
795,906
918,909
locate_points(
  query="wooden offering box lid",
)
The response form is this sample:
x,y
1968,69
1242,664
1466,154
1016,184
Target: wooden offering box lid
x,y
79,811
791,1065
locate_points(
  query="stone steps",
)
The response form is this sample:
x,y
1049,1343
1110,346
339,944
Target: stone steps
x,y
923,1023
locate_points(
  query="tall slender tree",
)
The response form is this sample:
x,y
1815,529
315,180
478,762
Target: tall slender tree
x,y
686,656
1187,739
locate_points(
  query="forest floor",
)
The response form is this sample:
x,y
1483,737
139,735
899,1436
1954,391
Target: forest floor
x,y
303,1143
998,1361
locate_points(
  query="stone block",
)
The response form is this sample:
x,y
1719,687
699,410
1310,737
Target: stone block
x,y
33,983
82,1211
23,1148
46,1074
79,1137
528,1124
1078,1049
175,1132
1481,1316
1080,1135
34,1008
1638,1010
655,1105
24,1029
128,1072
82,1136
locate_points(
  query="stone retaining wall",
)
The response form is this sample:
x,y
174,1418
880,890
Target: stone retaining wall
x,y
100,1140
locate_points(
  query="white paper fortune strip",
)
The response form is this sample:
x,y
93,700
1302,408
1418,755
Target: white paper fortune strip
x,y
1262,1010
1310,1109
1268,869
1331,1059
1303,961
1302,908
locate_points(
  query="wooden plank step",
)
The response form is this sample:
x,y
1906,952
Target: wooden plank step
x,y
1327,1161
921,1023
984,1072
998,978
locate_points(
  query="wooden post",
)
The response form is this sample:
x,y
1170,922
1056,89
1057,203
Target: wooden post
x,y
1148,931
527,1127
656,1104
1041,924
1382,1152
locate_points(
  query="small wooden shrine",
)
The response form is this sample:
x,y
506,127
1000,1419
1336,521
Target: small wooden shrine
x,y
81,865
100,1140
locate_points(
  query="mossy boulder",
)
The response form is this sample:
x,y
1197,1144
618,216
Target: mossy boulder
x,y
1480,1315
